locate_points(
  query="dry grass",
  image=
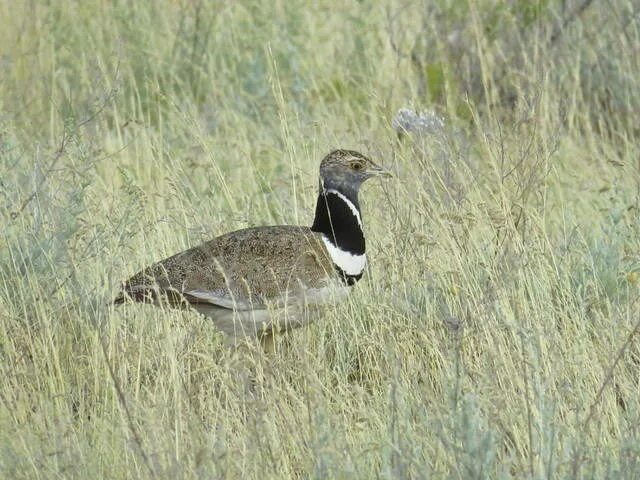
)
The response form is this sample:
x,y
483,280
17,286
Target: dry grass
x,y
495,335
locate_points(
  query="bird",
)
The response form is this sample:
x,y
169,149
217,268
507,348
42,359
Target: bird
x,y
259,281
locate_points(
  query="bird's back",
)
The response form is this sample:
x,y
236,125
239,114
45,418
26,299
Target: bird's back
x,y
245,269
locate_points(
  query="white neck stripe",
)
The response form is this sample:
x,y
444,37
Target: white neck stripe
x,y
348,262
349,203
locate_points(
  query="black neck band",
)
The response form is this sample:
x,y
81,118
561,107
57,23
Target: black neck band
x,y
335,219
346,278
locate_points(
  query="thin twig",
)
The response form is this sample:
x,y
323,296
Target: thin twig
x,y
528,405
607,380
609,376
67,135
125,407
59,153
122,401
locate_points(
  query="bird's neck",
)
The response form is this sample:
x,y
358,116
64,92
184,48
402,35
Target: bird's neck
x,y
339,221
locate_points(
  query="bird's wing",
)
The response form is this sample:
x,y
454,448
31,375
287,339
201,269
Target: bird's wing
x,y
242,270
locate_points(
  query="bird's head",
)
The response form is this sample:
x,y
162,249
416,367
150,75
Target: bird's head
x,y
347,170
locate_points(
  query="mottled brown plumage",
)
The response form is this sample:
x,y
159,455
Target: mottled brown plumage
x,y
251,266
265,279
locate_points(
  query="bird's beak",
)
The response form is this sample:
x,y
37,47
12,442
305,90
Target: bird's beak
x,y
378,171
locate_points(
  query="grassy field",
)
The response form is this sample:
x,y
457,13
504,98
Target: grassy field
x,y
495,334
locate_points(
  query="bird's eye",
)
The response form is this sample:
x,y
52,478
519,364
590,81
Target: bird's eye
x,y
357,166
